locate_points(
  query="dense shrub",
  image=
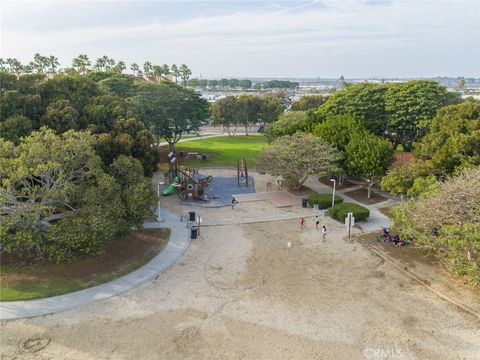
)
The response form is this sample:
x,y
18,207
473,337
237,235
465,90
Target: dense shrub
x,y
339,212
323,201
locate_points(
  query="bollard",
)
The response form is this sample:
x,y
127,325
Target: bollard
x,y
194,232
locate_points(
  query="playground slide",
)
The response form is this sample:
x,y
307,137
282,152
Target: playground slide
x,y
170,188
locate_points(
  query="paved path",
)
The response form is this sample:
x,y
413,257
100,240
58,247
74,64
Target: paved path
x,y
175,248
376,219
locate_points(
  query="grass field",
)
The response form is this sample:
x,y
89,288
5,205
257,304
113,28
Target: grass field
x,y
222,151
121,257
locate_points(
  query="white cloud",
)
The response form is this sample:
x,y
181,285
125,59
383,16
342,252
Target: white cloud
x,y
342,37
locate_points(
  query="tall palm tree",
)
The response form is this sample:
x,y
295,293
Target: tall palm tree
x,y
148,68
102,63
185,73
119,67
175,72
15,66
53,62
135,68
165,69
41,63
157,72
81,63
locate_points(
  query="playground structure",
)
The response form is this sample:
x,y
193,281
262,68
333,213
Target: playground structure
x,y
188,183
242,172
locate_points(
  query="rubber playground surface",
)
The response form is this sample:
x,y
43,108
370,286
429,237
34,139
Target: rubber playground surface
x,y
219,192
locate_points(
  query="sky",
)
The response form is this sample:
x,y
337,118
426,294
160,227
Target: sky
x,y
325,38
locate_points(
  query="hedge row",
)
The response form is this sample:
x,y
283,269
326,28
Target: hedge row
x,y
339,212
324,201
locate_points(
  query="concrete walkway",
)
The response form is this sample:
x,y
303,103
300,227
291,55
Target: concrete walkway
x,y
175,248
376,219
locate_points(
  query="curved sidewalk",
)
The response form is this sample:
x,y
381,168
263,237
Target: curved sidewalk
x,y
175,248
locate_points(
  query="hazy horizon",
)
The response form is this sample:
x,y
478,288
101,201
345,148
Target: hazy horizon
x,y
255,39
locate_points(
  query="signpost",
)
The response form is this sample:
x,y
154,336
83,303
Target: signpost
x,y
349,223
159,216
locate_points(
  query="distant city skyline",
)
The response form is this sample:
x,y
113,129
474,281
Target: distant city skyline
x,y
255,39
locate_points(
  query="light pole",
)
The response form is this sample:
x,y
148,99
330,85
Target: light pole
x,y
333,196
159,216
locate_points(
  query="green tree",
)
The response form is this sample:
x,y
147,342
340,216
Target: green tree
x,y
297,157
339,130
400,179
175,71
454,138
224,114
185,73
411,107
44,179
365,102
119,67
128,137
41,63
308,102
168,110
233,83
248,111
61,116
15,127
368,156
102,111
270,109
119,85
81,63
223,83
136,193
245,84
135,68
53,63
288,123
213,83
148,68
447,221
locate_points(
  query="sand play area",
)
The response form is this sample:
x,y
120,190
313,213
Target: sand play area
x,y
240,293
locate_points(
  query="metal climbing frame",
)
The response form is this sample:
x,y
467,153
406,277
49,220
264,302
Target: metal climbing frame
x,y
242,172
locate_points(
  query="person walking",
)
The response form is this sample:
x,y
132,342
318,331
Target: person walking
x,y
324,233
302,222
317,221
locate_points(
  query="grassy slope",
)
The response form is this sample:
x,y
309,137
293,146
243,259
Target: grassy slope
x,y
223,151
45,280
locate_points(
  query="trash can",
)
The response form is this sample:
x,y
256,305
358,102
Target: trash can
x,y
304,202
181,154
204,157
194,232
192,215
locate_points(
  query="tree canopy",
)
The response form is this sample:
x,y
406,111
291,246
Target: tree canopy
x,y
368,156
447,220
57,201
298,156
169,110
453,140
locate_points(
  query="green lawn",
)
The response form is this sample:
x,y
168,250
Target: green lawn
x,y
120,258
222,151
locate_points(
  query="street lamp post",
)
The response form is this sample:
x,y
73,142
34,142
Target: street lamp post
x,y
159,216
333,196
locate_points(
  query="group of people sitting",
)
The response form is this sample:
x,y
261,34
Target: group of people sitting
x,y
395,239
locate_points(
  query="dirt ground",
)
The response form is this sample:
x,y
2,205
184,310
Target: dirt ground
x,y
240,293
